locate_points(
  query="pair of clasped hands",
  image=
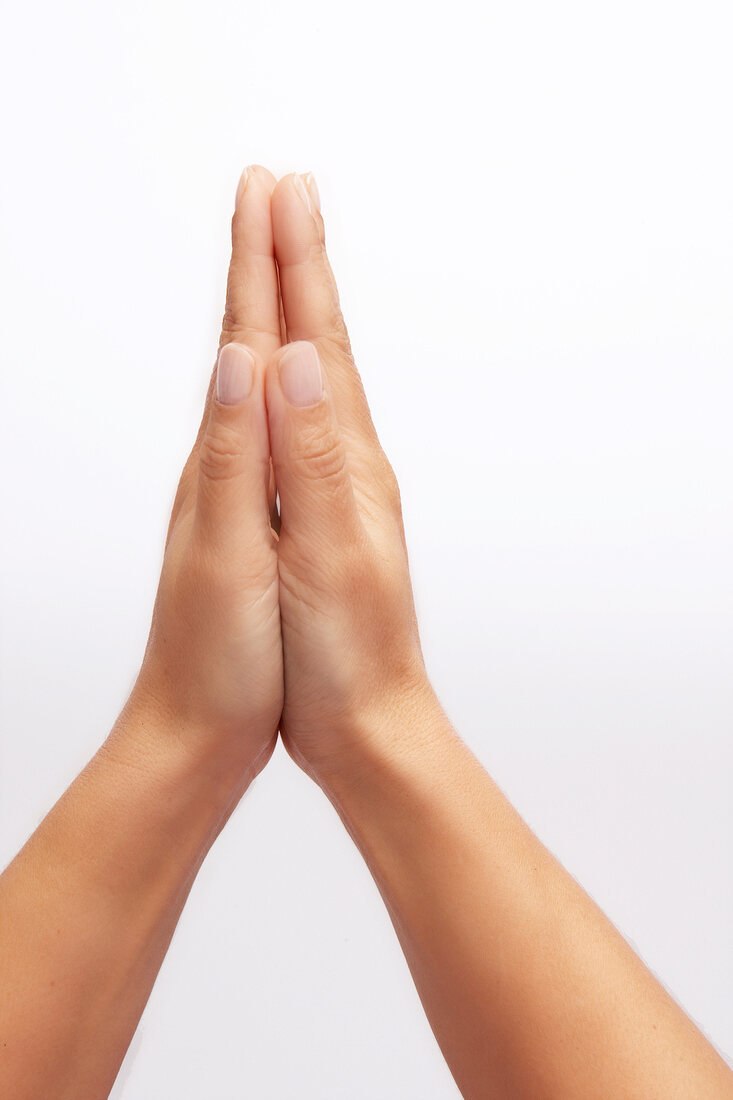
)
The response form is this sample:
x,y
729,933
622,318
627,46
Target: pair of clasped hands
x,y
285,604
302,620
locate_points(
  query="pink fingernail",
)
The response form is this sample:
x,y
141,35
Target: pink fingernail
x,y
234,375
242,186
312,188
303,191
300,374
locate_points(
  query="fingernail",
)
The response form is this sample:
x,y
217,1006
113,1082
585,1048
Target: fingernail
x,y
242,186
300,374
303,191
234,374
312,187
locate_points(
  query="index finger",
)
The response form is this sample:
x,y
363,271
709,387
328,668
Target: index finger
x,y
310,297
252,311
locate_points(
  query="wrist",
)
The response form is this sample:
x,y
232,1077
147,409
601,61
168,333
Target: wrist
x,y
180,750
403,725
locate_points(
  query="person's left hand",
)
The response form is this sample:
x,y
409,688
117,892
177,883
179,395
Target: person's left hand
x,y
353,663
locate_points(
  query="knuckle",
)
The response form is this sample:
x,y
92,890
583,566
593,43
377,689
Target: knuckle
x,y
229,326
220,453
334,334
238,325
321,456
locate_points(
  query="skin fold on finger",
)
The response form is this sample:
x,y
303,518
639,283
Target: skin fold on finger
x,y
318,505
232,510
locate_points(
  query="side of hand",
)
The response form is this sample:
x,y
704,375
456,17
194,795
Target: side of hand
x,y
213,663
352,653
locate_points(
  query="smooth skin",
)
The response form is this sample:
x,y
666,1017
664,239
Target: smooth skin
x,y
529,989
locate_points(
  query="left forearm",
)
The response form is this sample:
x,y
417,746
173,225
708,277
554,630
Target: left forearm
x,y
88,907
530,990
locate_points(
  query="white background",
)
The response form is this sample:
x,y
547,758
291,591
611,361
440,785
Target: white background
x,y
528,207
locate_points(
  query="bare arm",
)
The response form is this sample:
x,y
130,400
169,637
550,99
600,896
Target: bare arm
x,y
88,907
529,989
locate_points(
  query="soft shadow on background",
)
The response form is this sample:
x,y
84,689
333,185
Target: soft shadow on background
x,y
528,210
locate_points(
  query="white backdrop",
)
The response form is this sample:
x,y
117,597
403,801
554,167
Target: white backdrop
x,y
528,207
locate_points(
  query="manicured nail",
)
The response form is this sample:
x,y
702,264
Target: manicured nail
x,y
303,191
312,188
300,374
242,186
234,375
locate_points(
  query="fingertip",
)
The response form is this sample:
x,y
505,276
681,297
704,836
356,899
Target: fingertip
x,y
312,188
283,193
265,176
252,308
284,186
294,224
257,175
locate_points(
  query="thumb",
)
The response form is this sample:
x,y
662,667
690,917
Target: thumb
x,y
317,501
232,511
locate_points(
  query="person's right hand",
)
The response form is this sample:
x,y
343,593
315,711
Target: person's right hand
x,y
213,664
353,663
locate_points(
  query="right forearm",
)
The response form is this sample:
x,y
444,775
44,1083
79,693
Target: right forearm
x,y
88,907
528,987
